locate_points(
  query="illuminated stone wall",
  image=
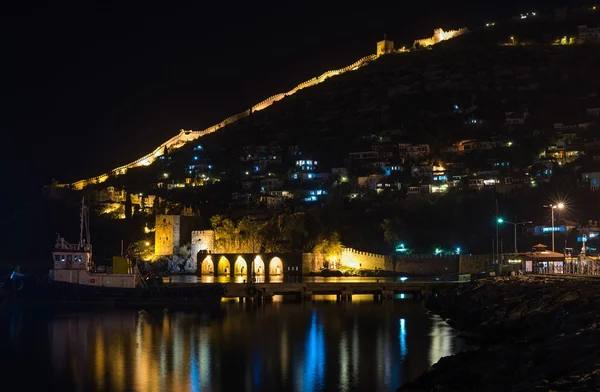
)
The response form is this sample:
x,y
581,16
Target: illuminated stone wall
x,y
385,47
438,36
167,234
362,260
202,240
186,136
424,264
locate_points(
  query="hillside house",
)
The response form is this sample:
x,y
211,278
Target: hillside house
x,y
513,118
385,151
592,178
421,171
413,151
361,155
593,112
588,34
370,181
270,184
419,190
471,145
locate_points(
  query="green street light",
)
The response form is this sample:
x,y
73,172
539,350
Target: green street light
x,y
500,220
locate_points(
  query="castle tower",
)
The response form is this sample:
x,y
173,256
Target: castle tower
x,y
384,47
167,234
202,240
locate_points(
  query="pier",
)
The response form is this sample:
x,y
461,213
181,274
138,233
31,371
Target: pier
x,y
343,291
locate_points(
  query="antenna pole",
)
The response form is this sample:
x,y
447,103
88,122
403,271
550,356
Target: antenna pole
x,y
81,225
87,226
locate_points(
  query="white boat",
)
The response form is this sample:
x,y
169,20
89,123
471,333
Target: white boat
x,y
75,278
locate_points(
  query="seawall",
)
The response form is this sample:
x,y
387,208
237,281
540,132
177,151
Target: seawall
x,y
535,333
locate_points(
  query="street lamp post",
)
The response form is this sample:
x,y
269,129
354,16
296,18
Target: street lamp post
x,y
515,224
498,221
553,207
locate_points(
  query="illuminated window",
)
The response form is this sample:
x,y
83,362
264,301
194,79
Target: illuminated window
x,y
69,258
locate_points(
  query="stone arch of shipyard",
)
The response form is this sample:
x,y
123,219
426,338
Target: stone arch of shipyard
x,y
265,265
224,266
275,266
207,267
240,267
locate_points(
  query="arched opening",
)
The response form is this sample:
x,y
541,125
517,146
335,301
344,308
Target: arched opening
x,y
207,267
240,266
275,266
223,267
259,266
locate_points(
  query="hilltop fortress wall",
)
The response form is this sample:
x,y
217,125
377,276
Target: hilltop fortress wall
x,y
438,36
186,136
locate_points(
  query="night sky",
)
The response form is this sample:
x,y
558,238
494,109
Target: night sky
x,y
85,88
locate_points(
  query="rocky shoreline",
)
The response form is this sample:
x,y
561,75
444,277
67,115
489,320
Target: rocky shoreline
x,y
536,333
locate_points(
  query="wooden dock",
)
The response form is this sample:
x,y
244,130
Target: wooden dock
x,y
344,291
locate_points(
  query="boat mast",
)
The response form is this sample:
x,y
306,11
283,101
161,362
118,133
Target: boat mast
x,y
81,224
84,221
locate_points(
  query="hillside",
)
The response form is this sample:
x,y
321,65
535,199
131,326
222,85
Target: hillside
x,y
417,91
503,95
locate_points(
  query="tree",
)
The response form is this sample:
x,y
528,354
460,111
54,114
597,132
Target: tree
x,y
330,248
141,250
225,233
393,232
241,238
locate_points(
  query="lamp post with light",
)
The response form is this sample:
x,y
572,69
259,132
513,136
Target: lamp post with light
x,y
515,224
553,207
498,221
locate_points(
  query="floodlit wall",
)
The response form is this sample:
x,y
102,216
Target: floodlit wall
x,y
202,240
422,264
167,229
362,260
185,136
438,36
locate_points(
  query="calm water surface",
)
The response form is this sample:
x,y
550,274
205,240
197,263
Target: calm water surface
x,y
279,279
312,346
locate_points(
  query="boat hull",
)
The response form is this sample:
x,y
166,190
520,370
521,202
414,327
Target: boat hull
x,y
159,296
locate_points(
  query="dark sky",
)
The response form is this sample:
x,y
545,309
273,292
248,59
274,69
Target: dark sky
x,y
87,87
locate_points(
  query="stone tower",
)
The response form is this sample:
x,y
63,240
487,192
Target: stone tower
x,y
384,47
167,234
202,240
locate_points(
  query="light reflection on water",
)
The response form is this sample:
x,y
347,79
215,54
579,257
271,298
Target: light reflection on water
x,y
313,346
280,278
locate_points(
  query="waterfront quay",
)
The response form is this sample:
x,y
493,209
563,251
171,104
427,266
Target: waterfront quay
x,y
343,290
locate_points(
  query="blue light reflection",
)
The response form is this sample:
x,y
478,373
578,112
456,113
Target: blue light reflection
x,y
313,367
402,338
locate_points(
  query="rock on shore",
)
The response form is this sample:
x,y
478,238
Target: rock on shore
x,y
535,333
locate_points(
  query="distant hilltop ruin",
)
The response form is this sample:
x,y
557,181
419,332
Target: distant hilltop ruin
x,y
439,35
